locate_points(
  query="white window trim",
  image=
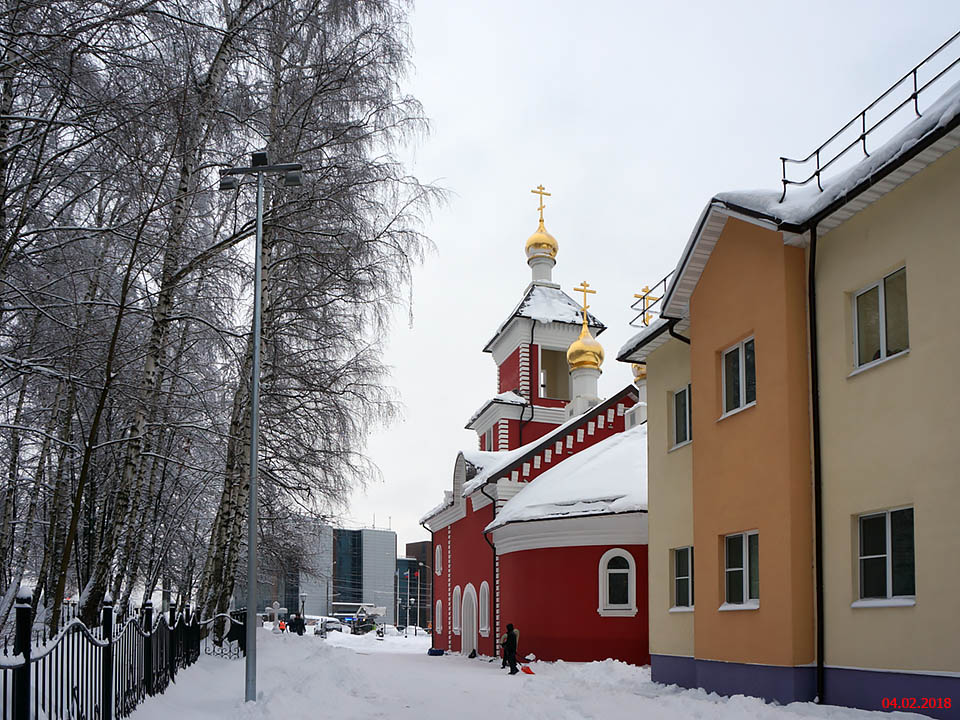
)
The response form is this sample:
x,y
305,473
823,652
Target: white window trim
x,y
438,560
900,601
438,619
673,558
488,439
746,605
604,608
881,361
689,439
455,603
483,609
743,378
890,600
748,602
882,307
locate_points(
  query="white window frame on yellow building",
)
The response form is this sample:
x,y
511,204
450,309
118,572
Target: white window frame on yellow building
x,y
673,416
675,606
890,600
882,321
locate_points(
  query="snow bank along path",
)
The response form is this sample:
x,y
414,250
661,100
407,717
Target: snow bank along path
x,y
352,677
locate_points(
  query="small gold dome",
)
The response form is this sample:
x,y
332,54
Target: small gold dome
x,y
639,372
585,351
541,243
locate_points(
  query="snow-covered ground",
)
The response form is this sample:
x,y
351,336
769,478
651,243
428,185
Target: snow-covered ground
x,y
347,677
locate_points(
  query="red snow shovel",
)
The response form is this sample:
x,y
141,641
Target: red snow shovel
x,y
527,670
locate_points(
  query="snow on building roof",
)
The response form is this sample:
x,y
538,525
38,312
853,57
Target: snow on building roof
x,y
654,329
609,477
802,204
548,304
479,459
506,398
506,459
447,502
920,143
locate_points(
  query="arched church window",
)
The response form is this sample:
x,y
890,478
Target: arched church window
x,y
617,584
438,617
456,610
484,608
438,560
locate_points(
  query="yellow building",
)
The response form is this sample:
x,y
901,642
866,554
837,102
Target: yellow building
x,y
815,481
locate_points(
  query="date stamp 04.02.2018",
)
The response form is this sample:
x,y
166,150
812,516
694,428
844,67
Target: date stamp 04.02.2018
x,y
916,703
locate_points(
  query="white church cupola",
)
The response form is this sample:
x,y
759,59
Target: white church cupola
x,y
541,248
584,356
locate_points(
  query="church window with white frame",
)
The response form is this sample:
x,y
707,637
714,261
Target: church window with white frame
x,y
438,560
484,609
456,610
439,616
617,584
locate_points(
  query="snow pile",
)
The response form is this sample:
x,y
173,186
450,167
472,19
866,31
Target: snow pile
x,y
803,203
608,477
358,677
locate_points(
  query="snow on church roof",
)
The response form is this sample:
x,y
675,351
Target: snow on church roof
x,y
609,477
506,458
548,304
507,398
447,502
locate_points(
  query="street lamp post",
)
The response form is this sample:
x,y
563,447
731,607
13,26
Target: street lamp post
x,y
230,180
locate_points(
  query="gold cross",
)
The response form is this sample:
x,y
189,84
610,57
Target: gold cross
x,y
647,302
541,192
584,288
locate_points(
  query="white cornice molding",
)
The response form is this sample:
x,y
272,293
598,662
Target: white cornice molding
x,y
620,529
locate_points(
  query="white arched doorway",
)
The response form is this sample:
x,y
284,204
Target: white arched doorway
x,y
468,620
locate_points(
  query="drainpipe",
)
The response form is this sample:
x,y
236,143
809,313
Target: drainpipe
x,y
817,476
493,590
433,589
678,336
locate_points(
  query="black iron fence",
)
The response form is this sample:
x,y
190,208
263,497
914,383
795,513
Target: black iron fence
x,y
104,672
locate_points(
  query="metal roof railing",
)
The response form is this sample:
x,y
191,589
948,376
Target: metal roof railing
x,y
824,156
648,302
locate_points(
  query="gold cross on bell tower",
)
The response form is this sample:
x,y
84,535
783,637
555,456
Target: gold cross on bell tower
x,y
585,289
541,192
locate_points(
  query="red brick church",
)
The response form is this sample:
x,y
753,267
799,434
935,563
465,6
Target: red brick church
x,y
545,526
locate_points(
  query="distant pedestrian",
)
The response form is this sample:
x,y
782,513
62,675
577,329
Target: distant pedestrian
x,y
510,648
283,626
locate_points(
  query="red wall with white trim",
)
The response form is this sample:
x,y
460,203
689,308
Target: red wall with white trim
x,y
551,597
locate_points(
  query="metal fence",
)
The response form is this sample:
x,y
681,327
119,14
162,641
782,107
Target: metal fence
x,y
104,672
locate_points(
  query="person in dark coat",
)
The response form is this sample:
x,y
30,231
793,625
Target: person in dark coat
x,y
510,649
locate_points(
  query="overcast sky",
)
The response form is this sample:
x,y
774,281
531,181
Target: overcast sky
x,y
633,114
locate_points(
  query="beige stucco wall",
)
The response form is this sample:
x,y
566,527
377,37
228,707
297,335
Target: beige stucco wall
x,y
670,490
890,433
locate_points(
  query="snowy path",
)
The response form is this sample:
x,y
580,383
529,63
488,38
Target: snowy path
x,y
350,677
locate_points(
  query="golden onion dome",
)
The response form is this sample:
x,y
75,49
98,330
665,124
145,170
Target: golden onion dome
x,y
585,351
639,372
541,243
